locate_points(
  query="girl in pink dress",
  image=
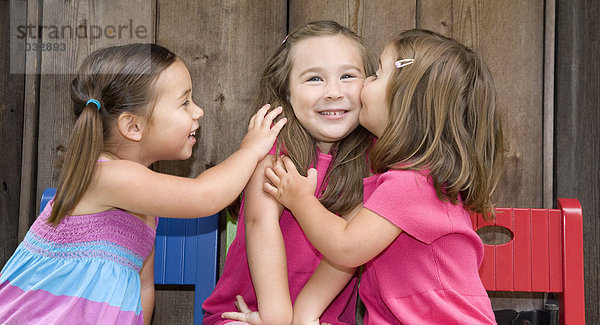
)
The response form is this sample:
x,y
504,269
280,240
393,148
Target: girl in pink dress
x,y
432,106
89,256
316,76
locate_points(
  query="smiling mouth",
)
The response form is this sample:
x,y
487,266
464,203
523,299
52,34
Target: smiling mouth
x,y
192,137
333,113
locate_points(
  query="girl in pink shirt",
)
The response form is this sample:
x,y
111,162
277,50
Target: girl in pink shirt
x,y
432,106
272,271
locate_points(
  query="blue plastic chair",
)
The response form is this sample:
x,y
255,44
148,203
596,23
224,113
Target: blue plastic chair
x,y
185,253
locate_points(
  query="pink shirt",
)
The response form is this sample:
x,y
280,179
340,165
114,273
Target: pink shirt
x,y
429,273
302,260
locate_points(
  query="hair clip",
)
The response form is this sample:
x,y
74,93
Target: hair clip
x,y
285,39
404,62
95,101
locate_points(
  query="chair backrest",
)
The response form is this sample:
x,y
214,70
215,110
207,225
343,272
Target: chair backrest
x,y
545,254
47,195
185,253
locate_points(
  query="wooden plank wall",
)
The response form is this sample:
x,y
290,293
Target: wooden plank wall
x,y
12,87
27,201
577,170
226,42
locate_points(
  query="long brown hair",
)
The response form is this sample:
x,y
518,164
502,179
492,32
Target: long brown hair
x,y
444,117
122,79
349,167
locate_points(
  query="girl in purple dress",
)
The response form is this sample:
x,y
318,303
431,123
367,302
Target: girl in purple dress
x,y
89,256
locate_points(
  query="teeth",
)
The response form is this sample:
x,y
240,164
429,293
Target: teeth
x,y
332,113
193,133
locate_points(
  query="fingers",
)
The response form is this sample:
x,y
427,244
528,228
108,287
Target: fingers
x,y
240,303
273,114
289,165
270,189
264,119
244,312
257,118
235,316
279,165
260,114
268,121
279,125
273,178
279,168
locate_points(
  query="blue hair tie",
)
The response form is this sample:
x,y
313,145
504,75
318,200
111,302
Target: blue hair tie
x,y
95,101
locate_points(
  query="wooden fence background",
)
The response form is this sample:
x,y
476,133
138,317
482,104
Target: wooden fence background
x,y
543,54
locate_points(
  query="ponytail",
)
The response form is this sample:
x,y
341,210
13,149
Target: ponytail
x,y
79,163
110,81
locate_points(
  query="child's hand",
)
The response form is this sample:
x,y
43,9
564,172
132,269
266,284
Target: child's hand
x,y
287,185
261,131
244,314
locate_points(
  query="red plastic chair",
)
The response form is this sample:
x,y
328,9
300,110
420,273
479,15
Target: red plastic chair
x,y
545,254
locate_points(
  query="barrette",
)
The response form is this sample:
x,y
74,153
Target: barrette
x,y
404,62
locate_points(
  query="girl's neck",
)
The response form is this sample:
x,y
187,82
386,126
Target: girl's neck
x,y
129,153
324,147
106,156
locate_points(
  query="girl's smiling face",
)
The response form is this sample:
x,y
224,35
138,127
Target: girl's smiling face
x,y
174,121
325,82
375,113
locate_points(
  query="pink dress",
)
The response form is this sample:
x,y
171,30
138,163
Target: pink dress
x,y
429,273
302,260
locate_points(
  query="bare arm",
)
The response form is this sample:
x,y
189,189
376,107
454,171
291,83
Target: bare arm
x,y
266,250
320,290
133,187
345,243
147,287
266,254
322,287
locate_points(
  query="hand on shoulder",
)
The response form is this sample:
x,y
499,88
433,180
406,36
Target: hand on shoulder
x,y
262,132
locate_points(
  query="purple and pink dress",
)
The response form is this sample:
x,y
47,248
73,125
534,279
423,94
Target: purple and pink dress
x,y
83,271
